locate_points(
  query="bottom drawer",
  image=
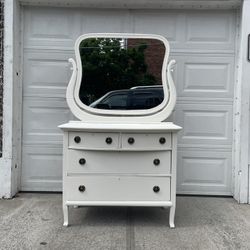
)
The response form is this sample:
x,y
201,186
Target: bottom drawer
x,y
116,188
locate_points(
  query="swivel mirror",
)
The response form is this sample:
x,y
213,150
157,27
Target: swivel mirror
x,y
121,75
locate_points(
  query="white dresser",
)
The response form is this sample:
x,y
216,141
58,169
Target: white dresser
x,y
120,157
119,165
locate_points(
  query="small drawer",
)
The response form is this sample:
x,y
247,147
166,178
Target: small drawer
x,y
146,141
115,188
119,162
92,141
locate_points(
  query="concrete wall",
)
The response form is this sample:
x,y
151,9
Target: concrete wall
x,y
1,73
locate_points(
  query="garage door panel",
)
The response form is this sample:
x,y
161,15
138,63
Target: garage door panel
x,y
210,31
204,124
45,171
55,27
59,27
204,76
161,23
185,30
199,171
49,74
189,31
41,118
101,21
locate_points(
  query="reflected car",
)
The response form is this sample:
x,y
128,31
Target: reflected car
x,y
141,97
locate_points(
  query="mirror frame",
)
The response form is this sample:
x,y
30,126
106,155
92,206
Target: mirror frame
x,y
87,114
134,112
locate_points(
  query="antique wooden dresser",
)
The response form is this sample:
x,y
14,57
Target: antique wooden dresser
x,y
120,157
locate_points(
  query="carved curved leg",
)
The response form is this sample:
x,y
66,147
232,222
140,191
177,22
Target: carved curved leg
x,y
171,217
65,215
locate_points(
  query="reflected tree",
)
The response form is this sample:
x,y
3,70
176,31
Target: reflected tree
x,y
108,64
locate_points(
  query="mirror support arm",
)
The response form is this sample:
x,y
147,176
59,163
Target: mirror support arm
x,y
172,89
70,89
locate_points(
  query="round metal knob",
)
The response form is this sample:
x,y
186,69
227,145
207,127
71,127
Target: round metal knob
x,y
157,162
156,189
162,140
82,161
81,188
77,139
108,140
131,140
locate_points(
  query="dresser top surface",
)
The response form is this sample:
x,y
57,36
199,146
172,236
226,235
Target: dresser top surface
x,y
129,127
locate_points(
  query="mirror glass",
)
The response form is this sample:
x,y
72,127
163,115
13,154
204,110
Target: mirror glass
x,y
121,74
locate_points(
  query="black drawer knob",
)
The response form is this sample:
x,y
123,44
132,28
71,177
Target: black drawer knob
x,y
81,188
162,140
131,140
82,161
156,189
157,162
77,139
109,140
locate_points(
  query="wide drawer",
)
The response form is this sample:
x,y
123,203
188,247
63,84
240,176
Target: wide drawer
x,y
115,188
136,141
79,161
88,140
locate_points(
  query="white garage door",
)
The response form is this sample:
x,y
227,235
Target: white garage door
x,y
201,42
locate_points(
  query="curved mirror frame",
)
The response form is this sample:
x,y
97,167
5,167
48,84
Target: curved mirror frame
x,y
135,112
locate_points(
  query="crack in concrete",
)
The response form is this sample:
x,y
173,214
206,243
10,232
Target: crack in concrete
x,y
130,231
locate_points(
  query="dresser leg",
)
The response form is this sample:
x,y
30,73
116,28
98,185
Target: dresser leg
x,y
65,215
171,217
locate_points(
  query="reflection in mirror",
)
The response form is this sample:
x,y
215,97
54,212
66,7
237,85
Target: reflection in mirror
x,y
121,74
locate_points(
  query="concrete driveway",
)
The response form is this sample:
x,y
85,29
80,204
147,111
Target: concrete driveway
x,y
34,221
